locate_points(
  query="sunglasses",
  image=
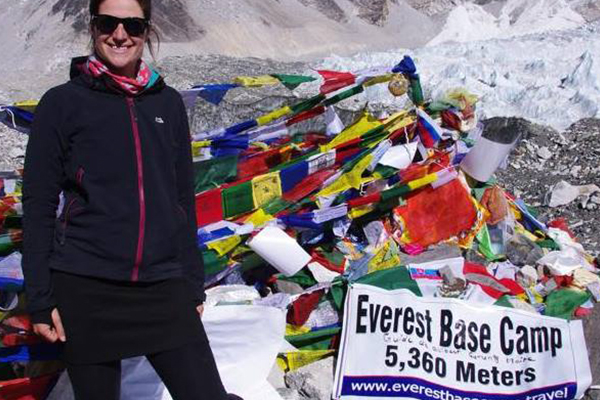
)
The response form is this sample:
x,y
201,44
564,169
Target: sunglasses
x,y
107,24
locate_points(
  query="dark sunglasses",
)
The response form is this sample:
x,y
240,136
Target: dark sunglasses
x,y
107,24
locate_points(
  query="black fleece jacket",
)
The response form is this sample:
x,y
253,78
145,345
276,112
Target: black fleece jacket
x,y
124,165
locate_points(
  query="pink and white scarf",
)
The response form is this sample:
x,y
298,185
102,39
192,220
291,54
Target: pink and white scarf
x,y
128,85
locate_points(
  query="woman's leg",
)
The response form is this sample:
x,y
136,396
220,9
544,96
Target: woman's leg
x,y
96,381
189,372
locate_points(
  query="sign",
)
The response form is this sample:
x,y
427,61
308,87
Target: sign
x,y
398,345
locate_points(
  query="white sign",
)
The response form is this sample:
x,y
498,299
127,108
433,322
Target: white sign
x,y
398,345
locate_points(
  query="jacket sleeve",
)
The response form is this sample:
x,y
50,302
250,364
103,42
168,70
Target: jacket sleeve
x,y
42,180
191,257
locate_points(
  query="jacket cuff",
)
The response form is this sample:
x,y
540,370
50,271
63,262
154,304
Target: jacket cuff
x,y
200,298
42,317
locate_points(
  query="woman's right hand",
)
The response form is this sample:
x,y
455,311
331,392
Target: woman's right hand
x,y
51,333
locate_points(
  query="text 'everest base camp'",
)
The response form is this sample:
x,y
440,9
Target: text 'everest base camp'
x,y
395,199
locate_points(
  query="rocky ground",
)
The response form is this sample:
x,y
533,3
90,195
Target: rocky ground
x,y
543,158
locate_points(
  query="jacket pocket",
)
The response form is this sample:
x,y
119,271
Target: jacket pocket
x,y
72,207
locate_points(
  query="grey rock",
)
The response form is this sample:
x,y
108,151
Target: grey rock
x,y
544,153
374,12
329,8
314,381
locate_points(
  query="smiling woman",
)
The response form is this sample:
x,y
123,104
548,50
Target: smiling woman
x,y
118,274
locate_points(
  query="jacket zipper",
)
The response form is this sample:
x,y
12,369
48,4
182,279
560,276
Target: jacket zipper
x,y
140,180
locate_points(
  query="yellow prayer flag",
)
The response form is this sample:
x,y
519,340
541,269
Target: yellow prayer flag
x,y
259,218
401,123
354,176
293,330
424,181
224,246
366,123
293,360
27,105
387,257
351,179
198,146
274,115
266,188
360,211
256,81
378,79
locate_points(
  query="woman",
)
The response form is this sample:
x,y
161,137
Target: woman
x,y
118,273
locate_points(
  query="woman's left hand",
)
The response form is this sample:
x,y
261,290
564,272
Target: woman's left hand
x,y
200,309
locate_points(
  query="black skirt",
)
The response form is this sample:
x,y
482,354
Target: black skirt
x,y
107,320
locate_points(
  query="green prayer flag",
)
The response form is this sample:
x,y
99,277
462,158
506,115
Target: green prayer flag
x,y
337,292
548,244
395,192
238,200
209,174
391,279
252,261
344,95
302,278
6,245
213,264
293,81
503,302
314,340
307,104
416,92
485,244
562,303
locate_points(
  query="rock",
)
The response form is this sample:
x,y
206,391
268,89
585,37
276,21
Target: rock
x,y
544,153
16,152
314,381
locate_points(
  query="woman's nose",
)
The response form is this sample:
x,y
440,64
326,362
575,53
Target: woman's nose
x,y
120,33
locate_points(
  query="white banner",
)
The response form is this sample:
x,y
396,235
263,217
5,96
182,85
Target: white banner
x,y
398,345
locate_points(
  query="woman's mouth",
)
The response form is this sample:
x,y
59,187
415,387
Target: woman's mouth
x,y
119,49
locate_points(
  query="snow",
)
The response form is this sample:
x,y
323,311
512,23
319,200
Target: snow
x,y
551,78
470,22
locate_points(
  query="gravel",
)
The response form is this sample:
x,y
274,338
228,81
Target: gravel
x,y
545,157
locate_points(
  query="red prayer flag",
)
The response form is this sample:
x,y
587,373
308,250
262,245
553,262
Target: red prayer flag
x,y
335,80
209,207
301,308
27,388
432,215
305,115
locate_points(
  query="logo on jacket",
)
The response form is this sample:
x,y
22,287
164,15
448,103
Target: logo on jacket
x,y
159,120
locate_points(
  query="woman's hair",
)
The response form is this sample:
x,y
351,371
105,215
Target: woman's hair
x,y
146,6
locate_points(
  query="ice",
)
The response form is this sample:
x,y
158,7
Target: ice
x,y
551,78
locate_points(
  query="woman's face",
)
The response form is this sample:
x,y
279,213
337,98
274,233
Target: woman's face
x,y
120,50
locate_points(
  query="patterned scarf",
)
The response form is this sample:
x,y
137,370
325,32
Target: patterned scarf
x,y
146,77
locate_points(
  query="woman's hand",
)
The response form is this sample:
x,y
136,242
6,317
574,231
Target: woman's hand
x,y
51,333
200,309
